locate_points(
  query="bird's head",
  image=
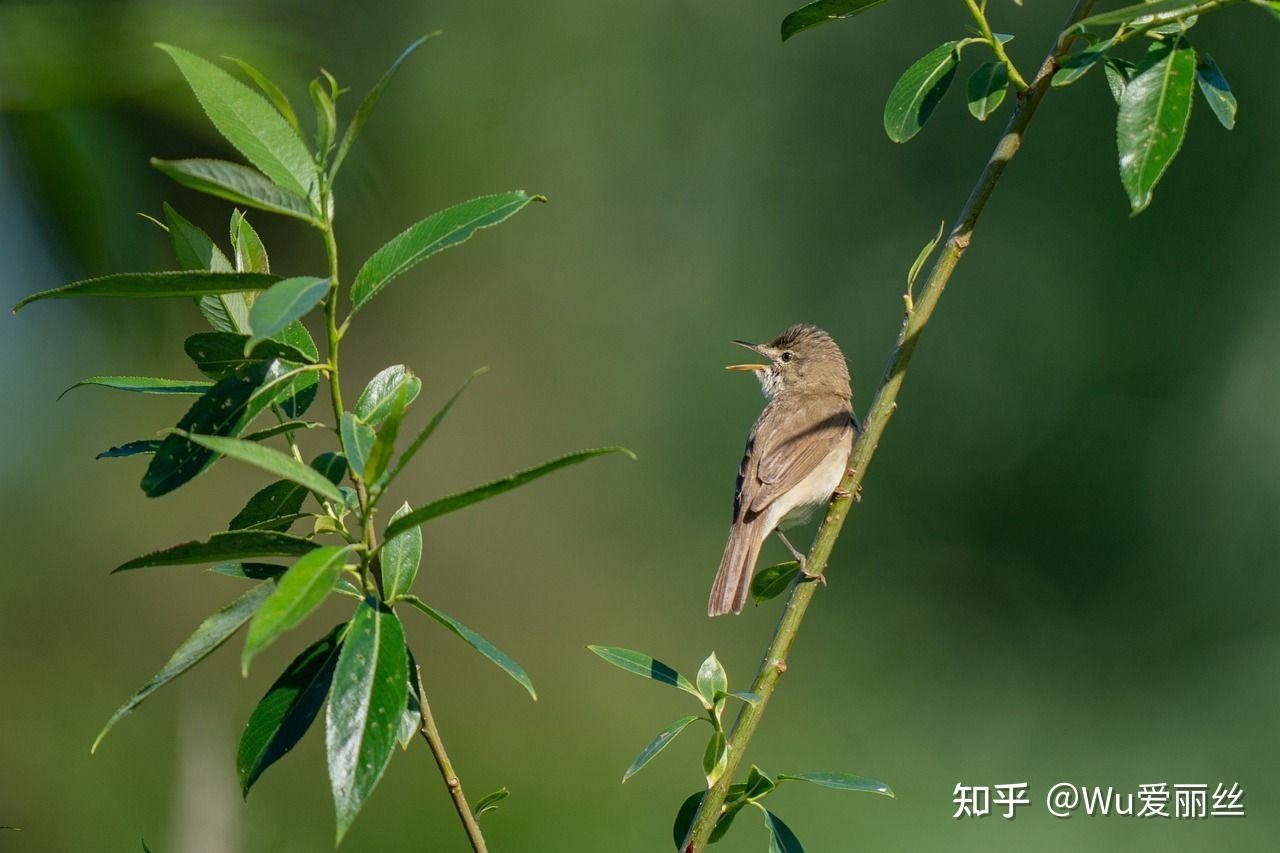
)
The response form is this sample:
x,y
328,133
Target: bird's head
x,y
803,358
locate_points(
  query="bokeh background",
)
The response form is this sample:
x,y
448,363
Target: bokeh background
x,y
1064,566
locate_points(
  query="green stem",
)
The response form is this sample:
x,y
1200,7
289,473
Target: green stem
x,y
979,14
432,735
882,409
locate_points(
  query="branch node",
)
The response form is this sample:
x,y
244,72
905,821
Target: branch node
x,y
781,666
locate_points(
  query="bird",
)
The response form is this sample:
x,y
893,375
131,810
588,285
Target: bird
x,y
797,452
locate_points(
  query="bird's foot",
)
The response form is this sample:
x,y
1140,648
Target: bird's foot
x,y
809,577
841,493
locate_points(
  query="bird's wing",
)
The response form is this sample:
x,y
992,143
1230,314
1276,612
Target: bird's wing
x,y
787,443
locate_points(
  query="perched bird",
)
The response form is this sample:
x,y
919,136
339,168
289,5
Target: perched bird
x,y
796,454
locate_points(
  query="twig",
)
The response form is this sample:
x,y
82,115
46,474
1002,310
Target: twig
x,y
451,781
882,409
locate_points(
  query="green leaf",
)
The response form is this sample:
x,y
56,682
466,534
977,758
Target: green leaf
x,y
918,263
411,719
422,437
225,409
822,12
712,680
1118,72
144,385
285,713
749,698
326,118
369,691
281,429
987,88
357,442
250,124
132,448
1079,64
458,501
249,571
918,91
1157,12
284,498
489,802
840,782
369,102
1217,92
271,460
195,250
1153,119
658,744
715,758
155,285
379,397
212,633
251,254
281,304
477,642
400,558
217,354
233,545
237,184
385,445
758,783
782,839
772,582
641,664
295,398
437,232
684,818
300,590
271,90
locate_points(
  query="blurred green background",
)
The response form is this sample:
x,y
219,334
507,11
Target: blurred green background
x,y
1064,564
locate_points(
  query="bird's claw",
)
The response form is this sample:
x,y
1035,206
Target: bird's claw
x,y
809,577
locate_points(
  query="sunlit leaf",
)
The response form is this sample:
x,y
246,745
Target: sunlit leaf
x,y
249,123
421,438
715,758
822,12
641,664
477,642
437,232
212,633
400,558
659,743
840,782
489,802
281,304
144,385
986,89
271,90
1217,92
299,591
712,679
369,102
379,397
918,91
365,703
458,501
1154,111
238,184
232,545
357,443
155,285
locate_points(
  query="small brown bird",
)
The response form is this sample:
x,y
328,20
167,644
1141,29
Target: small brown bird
x,y
796,453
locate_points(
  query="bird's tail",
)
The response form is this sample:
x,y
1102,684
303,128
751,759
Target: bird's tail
x,y
733,580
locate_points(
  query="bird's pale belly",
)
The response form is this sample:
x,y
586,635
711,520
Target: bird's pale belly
x,y
798,504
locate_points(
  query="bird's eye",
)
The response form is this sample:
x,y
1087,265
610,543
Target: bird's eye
x,y
787,356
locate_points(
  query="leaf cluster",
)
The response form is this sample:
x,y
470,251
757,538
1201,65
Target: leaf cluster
x,y
311,532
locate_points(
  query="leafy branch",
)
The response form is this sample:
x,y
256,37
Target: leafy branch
x,y
1154,95
260,358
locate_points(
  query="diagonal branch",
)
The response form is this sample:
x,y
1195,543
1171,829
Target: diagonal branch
x,y
882,409
432,736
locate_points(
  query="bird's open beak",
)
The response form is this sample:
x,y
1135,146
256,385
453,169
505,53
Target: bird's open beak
x,y
750,367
